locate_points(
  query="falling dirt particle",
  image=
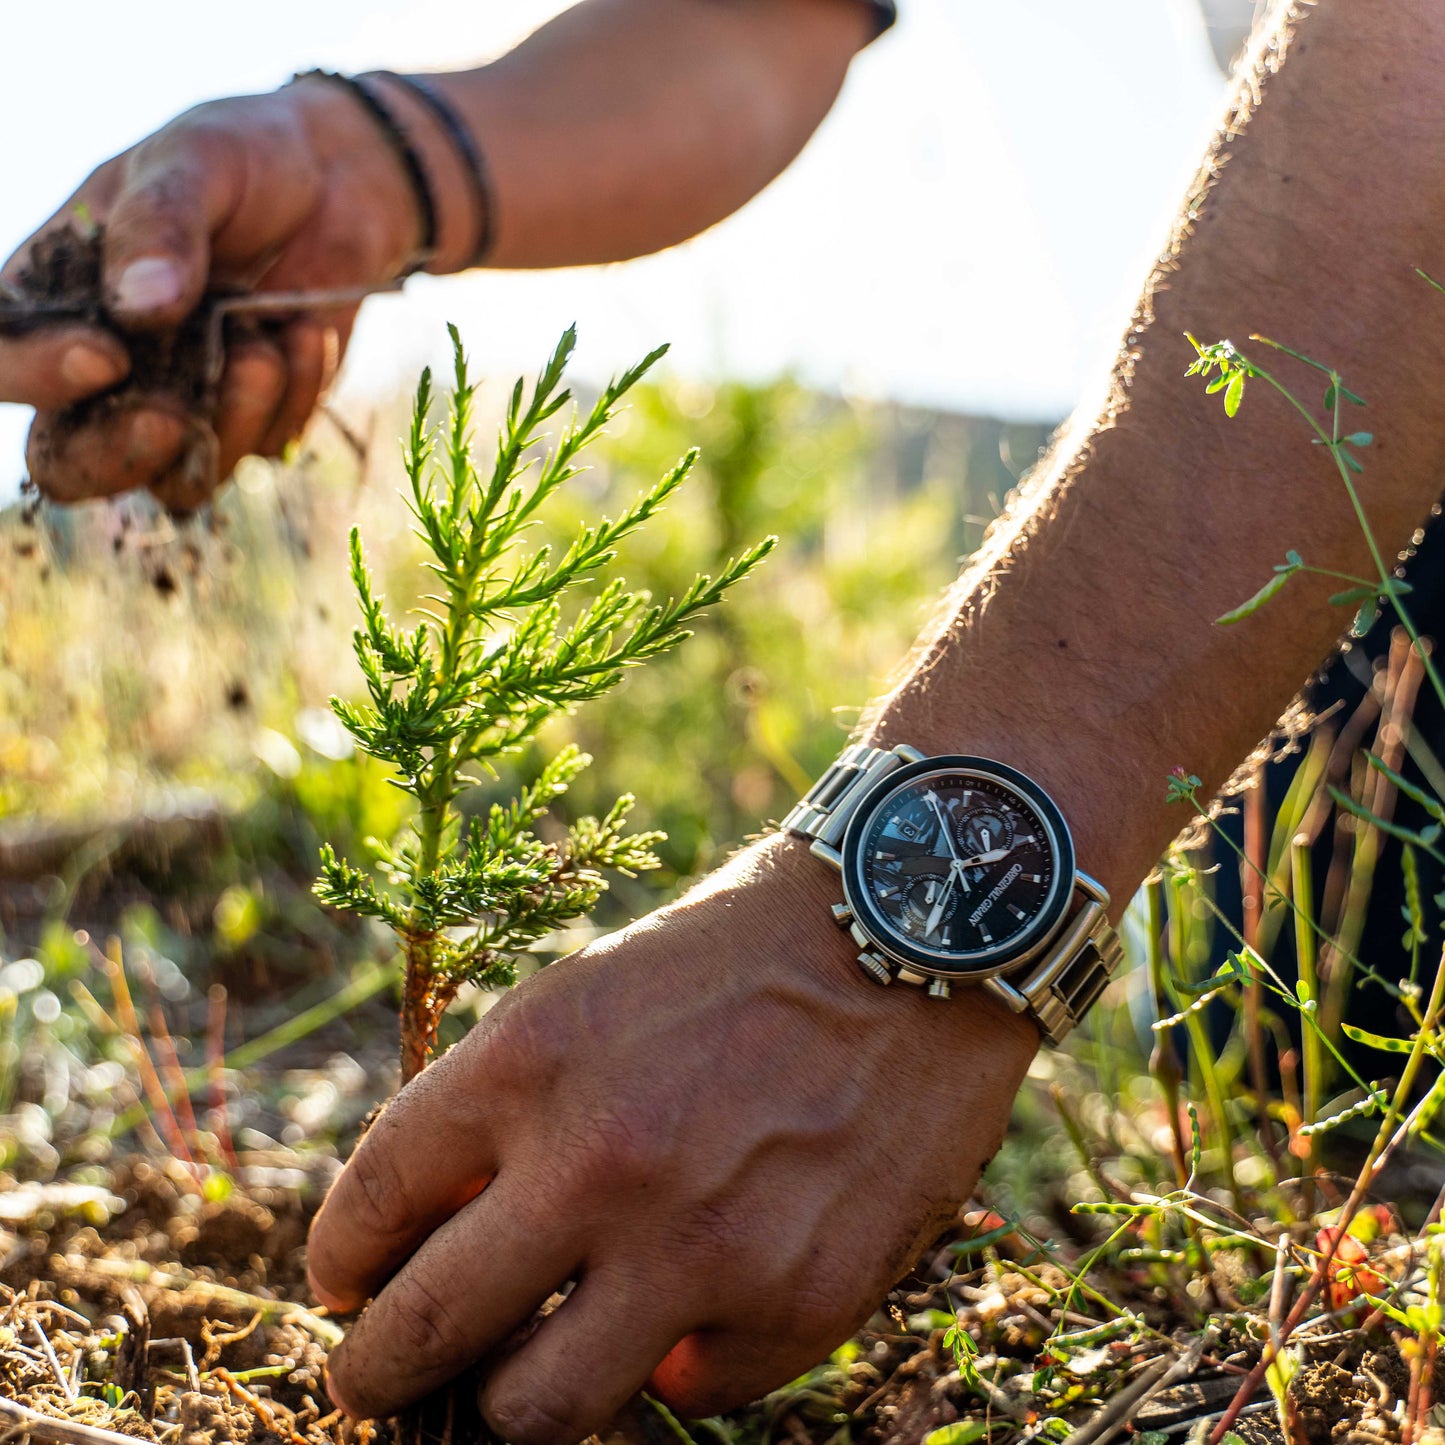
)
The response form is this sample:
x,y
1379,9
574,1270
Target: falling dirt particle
x,y
238,697
164,582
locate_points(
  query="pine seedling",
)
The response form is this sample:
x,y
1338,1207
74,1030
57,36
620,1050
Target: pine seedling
x,y
511,637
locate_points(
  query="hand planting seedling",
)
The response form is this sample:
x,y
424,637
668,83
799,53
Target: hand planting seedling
x,y
496,654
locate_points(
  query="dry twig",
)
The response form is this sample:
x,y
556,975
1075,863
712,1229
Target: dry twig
x,y
38,1426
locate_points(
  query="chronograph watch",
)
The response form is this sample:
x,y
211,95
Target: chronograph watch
x,y
961,870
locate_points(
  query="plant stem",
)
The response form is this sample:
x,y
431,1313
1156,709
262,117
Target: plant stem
x,y
1164,1061
1309,988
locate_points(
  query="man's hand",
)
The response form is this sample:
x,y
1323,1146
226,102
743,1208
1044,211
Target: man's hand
x,y
275,192
729,1139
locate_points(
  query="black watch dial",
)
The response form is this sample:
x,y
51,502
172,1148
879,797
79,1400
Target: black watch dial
x,y
958,865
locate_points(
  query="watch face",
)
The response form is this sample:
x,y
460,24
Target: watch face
x,y
958,865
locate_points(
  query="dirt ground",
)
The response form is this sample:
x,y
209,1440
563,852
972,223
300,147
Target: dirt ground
x,y
140,1307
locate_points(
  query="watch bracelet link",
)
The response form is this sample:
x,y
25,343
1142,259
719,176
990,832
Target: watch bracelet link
x,y
1059,989
825,809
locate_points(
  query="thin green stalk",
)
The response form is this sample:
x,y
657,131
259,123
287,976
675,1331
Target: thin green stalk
x,y
1315,1072
1272,886
1277,986
1164,1061
1201,1047
1294,812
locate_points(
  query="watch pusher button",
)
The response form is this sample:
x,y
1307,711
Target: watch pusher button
x,y
939,988
875,967
842,915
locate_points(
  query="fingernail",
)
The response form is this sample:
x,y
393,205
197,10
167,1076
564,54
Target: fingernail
x,y
88,368
149,284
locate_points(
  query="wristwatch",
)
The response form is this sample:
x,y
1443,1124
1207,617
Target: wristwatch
x,y
961,870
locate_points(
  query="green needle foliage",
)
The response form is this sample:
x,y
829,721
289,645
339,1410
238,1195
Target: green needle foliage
x,y
502,645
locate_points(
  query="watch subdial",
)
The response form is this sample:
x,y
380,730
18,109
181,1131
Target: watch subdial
x,y
982,830
921,900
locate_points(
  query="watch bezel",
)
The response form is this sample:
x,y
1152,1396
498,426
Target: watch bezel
x,y
935,963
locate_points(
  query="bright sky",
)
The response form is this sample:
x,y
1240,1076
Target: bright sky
x,y
967,229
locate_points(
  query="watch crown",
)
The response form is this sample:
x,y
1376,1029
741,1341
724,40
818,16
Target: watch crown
x,y
939,988
875,967
842,915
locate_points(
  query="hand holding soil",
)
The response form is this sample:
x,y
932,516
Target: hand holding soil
x,y
107,314
700,1121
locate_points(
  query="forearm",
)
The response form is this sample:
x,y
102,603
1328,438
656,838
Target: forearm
x,y
1081,644
624,126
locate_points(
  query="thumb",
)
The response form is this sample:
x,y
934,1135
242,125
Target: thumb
x,y
177,190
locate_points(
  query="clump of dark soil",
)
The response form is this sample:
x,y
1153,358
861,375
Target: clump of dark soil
x,y
177,370
61,281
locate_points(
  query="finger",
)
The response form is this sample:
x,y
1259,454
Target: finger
x,y
193,480
177,189
86,206
114,453
712,1371
428,1155
253,390
311,349
60,364
585,1361
478,1277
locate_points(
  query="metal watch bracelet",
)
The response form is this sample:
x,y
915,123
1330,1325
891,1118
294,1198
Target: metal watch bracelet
x,y
1057,989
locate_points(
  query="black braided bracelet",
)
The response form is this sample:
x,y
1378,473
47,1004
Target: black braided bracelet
x,y
406,153
473,162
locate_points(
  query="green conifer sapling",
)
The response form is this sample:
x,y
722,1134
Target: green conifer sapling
x,y
497,652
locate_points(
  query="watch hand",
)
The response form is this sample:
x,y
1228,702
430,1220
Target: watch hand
x,y
943,825
942,903
979,859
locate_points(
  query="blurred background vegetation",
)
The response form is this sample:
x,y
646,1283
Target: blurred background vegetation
x,y
151,671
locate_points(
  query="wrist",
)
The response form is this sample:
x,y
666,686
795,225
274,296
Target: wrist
x,y
370,173
460,225
776,898
362,174
1064,749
